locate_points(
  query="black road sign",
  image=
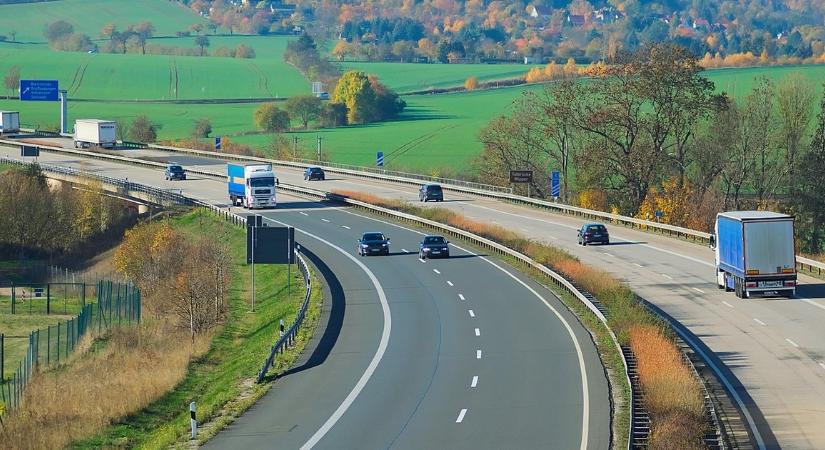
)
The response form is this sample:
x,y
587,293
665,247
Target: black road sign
x,y
521,176
270,245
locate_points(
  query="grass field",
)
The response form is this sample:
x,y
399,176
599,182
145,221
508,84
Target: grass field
x,y
157,77
89,16
16,328
416,77
266,47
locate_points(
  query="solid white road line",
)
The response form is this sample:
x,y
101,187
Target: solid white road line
x,y
376,358
667,276
792,343
450,282
344,226
461,415
475,381
580,355
811,302
699,290
727,304
436,271
478,332
461,296
478,354
759,322
472,314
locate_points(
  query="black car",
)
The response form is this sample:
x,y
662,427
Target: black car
x,y
175,172
433,247
593,232
431,192
314,173
373,243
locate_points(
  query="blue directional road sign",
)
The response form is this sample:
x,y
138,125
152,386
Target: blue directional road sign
x,y
217,142
379,160
555,184
38,90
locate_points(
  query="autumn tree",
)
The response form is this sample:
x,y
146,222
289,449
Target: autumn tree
x,y
471,83
333,115
143,129
795,98
202,42
270,118
142,32
201,128
12,79
808,191
355,91
58,30
304,107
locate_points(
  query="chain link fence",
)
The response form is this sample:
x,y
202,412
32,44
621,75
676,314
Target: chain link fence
x,y
116,304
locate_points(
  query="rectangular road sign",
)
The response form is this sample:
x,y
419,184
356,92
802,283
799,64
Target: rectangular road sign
x,y
38,90
217,142
521,176
29,150
272,245
379,159
555,183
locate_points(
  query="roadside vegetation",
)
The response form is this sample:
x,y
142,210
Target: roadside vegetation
x,y
672,393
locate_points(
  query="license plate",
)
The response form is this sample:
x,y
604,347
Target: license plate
x,y
597,235
374,249
770,284
435,252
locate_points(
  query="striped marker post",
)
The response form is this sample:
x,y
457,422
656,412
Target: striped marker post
x,y
193,421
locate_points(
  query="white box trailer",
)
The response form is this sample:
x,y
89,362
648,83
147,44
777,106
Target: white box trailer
x,y
9,121
88,132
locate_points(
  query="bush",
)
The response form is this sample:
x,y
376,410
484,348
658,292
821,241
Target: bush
x,y
202,128
143,129
270,118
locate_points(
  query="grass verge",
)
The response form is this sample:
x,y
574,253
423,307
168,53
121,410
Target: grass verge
x,y
671,391
221,381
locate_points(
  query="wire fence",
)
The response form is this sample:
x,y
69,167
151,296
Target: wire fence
x,y
116,304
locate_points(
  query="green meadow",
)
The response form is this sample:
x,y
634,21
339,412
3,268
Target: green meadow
x,y
89,16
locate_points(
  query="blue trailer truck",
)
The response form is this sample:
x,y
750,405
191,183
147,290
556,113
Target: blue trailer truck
x,y
251,185
755,253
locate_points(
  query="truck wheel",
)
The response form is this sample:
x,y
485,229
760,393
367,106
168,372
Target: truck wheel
x,y
739,288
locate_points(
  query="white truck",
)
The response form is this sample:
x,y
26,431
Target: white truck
x,y
755,253
89,132
9,122
251,185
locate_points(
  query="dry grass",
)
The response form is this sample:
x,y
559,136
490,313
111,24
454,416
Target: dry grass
x,y
100,386
672,393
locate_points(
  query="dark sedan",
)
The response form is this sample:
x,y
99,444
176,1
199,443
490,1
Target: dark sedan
x,y
314,173
593,232
373,243
433,247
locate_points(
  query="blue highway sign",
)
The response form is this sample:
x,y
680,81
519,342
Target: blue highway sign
x,y
379,160
38,90
555,184
217,142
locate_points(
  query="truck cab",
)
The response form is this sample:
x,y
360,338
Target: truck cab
x,y
252,185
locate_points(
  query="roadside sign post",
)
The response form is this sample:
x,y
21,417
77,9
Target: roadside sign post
x,y
193,421
319,148
379,159
658,215
217,142
522,176
555,184
64,111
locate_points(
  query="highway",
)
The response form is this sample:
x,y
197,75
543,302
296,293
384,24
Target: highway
x,y
770,351
459,353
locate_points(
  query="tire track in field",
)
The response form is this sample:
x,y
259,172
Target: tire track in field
x,y
77,81
173,79
407,146
263,80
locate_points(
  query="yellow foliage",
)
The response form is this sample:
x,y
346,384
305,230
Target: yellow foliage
x,y
593,199
471,83
672,200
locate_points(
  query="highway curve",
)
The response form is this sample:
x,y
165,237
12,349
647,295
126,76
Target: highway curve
x,y
770,352
458,353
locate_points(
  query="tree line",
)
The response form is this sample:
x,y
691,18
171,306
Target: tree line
x,y
39,222
652,134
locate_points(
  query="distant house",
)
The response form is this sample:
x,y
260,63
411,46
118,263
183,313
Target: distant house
x,y
575,21
540,11
701,23
532,60
281,10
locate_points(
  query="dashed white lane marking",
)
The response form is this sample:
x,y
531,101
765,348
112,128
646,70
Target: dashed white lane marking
x,y
461,296
811,302
759,322
404,250
450,283
478,332
461,416
792,343
422,261
667,276
301,212
609,254
638,265
344,226
472,314
475,381
436,271
822,365
478,354
727,304
699,290
325,220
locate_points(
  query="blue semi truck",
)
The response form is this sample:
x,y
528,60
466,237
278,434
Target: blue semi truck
x,y
755,253
251,185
